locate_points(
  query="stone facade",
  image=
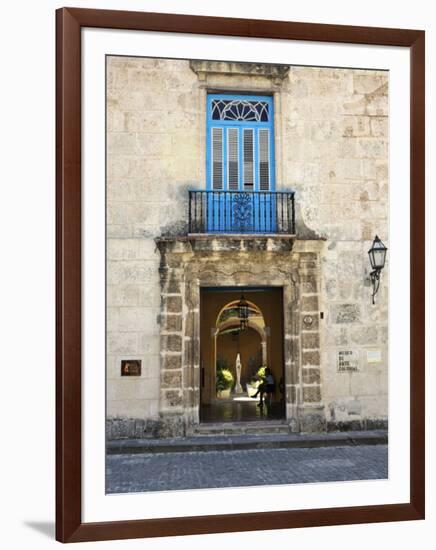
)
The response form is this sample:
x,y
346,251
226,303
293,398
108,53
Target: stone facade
x,y
331,148
196,262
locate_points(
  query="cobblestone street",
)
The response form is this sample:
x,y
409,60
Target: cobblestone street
x,y
236,468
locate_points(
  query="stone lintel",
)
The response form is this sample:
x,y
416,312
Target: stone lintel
x,y
203,68
205,242
185,246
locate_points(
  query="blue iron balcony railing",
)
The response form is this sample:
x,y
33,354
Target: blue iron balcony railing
x,y
242,212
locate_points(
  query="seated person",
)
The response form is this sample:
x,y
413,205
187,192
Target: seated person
x,y
267,386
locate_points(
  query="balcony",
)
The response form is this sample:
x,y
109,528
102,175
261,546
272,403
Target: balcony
x,y
242,212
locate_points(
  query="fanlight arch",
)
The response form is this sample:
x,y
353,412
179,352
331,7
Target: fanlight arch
x,y
228,321
240,110
229,316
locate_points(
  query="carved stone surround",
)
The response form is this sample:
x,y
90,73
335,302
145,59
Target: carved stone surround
x,y
267,70
189,263
217,73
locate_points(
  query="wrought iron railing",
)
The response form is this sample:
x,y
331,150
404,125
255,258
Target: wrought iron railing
x,y
241,212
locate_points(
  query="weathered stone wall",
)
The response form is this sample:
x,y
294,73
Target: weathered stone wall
x,y
153,134
336,158
331,148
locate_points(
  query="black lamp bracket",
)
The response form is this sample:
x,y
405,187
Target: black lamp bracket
x,y
375,280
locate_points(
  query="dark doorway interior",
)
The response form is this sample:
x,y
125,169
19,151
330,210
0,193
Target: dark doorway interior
x,y
235,410
234,354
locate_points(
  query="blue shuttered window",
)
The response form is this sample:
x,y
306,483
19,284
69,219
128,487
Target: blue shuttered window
x,y
217,158
240,158
233,158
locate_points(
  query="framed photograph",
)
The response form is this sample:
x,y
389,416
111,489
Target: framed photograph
x,y
240,274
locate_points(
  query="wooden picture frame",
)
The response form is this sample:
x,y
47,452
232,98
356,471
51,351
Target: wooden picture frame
x,y
69,525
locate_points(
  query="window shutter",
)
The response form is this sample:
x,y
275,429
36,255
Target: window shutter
x,y
217,158
232,158
248,159
264,160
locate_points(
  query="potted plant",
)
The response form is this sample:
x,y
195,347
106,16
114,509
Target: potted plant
x,y
224,379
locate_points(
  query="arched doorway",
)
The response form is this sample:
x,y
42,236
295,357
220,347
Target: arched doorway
x,y
235,355
242,350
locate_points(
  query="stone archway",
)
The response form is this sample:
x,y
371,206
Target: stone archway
x,y
190,263
225,345
228,322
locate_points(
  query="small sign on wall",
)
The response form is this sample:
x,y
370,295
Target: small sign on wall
x,y
130,367
348,361
373,356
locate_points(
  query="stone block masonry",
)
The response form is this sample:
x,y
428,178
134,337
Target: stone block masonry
x,y
252,261
331,148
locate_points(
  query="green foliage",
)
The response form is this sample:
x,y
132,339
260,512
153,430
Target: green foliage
x,y
261,372
224,378
259,377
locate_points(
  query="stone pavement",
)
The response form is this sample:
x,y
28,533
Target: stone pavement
x,y
159,471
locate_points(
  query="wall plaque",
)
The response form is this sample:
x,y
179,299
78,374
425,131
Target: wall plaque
x,y
130,367
348,361
373,356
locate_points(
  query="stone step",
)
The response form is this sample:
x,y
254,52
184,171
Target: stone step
x,y
232,442
236,428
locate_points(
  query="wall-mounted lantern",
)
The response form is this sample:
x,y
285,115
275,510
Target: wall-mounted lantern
x,y
377,257
243,312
